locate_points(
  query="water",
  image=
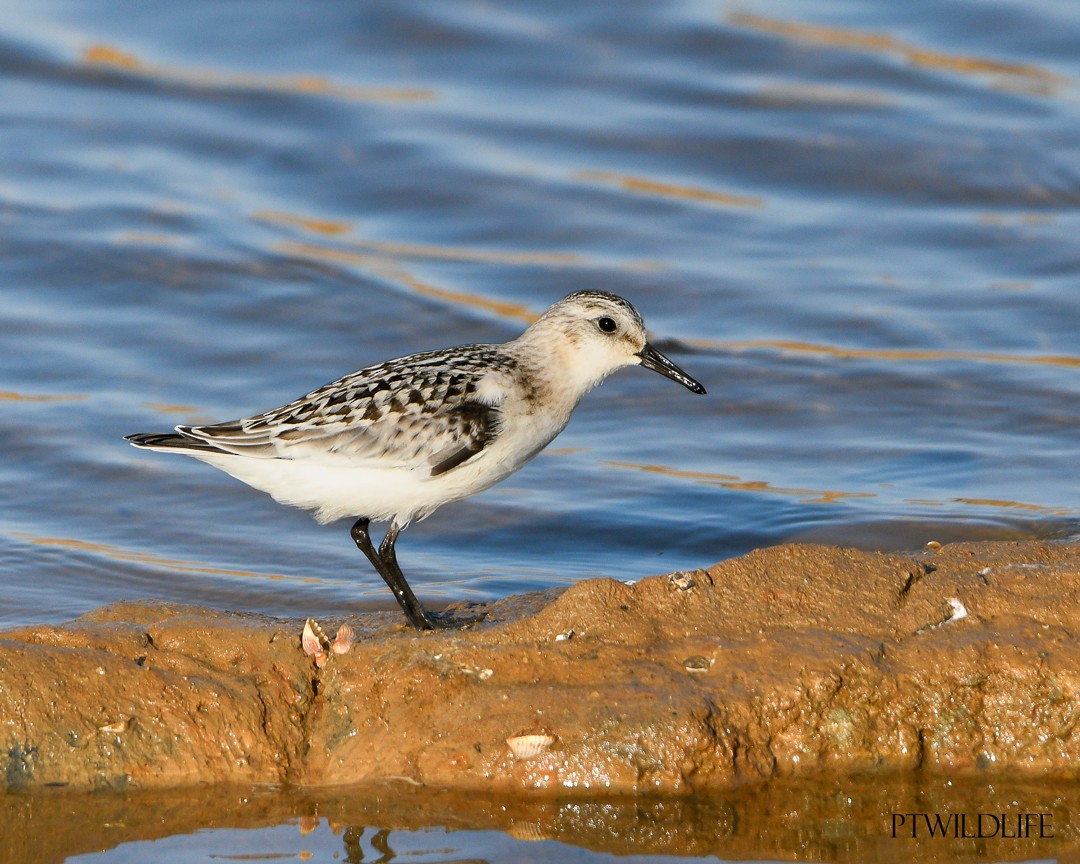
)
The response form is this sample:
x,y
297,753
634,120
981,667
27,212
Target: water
x,y
847,820
855,223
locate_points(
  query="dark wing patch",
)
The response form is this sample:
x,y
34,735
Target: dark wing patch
x,y
478,428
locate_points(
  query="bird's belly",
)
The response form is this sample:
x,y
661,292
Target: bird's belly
x,y
336,489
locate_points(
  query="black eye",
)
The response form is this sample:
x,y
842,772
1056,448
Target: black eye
x,y
608,325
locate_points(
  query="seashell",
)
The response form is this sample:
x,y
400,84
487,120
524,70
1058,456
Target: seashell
x,y
313,640
344,640
933,546
697,663
527,746
115,728
562,637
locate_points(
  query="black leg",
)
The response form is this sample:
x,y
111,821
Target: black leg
x,y
444,621
418,617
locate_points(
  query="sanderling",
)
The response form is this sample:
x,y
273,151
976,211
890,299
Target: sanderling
x,y
395,441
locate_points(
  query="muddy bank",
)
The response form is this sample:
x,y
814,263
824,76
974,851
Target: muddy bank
x,y
795,661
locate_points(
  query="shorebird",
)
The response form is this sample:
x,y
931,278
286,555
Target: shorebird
x,y
395,441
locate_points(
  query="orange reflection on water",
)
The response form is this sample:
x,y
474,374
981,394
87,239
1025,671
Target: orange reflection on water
x,y
729,481
897,354
117,553
645,186
188,411
1010,505
883,43
425,250
113,58
12,396
392,271
328,227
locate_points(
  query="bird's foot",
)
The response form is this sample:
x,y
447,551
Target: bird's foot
x,y
451,619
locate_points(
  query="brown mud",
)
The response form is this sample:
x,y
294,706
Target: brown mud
x,y
803,663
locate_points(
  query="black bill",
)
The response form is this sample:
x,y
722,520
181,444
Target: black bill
x,y
653,359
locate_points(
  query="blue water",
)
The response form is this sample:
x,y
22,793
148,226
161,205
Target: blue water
x,y
855,222
322,843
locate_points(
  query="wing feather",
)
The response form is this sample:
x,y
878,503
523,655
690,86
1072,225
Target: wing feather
x,y
420,411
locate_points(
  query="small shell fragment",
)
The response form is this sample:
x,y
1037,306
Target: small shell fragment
x,y
959,611
681,581
115,728
527,746
697,663
562,637
344,640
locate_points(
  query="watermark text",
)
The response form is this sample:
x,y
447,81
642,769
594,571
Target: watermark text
x,y
974,826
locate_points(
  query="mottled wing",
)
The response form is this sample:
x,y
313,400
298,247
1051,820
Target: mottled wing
x,y
435,410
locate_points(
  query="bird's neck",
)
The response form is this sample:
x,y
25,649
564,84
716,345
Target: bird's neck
x,y
558,366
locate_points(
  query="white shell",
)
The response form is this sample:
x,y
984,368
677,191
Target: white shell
x,y
313,639
314,642
344,640
527,746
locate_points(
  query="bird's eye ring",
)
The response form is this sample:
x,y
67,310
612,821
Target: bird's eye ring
x,y
607,325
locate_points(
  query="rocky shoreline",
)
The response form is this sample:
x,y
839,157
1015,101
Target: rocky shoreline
x,y
790,662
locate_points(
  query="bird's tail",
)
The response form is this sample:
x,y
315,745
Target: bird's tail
x,y
169,441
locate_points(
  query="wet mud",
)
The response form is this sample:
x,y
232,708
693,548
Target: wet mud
x,y
798,663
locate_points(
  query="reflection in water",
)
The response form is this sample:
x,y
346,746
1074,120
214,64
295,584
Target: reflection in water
x,y
423,250
820,496
188,412
11,396
115,553
326,227
108,57
807,496
883,43
901,355
645,186
388,269
830,820
1009,505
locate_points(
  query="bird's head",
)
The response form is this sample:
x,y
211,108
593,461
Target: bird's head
x,y
594,333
